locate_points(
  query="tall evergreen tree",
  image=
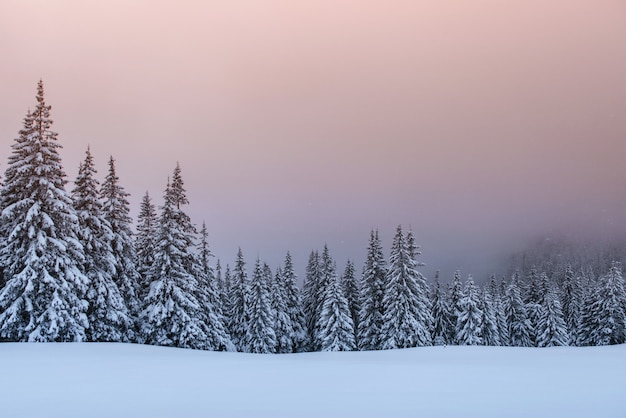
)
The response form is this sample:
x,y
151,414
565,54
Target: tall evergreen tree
x,y
456,294
145,240
311,296
293,305
116,212
407,312
335,326
43,298
490,333
551,329
611,309
282,322
442,331
469,320
517,320
238,301
107,312
571,299
370,331
260,336
327,276
172,313
351,292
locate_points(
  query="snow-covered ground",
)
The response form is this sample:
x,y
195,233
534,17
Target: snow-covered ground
x,y
118,380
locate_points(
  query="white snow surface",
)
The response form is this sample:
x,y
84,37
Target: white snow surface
x,y
126,380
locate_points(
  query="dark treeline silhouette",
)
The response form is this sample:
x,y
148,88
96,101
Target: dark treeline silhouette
x,y
72,270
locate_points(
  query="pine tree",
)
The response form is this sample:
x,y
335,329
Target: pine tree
x,y
335,326
612,309
172,313
145,240
442,329
571,298
351,292
551,329
293,305
498,294
327,276
517,320
207,295
116,212
107,312
260,336
490,334
283,328
370,331
469,321
44,294
407,312
456,294
311,296
238,300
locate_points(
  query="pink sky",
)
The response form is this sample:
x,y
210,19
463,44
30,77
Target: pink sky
x,y
298,123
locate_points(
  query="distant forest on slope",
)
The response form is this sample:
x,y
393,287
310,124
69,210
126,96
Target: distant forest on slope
x,y
74,270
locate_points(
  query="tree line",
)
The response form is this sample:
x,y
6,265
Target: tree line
x,y
73,270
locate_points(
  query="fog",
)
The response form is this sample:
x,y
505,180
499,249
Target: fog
x,y
480,125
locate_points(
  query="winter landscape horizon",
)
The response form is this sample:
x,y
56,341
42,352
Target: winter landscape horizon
x,y
329,208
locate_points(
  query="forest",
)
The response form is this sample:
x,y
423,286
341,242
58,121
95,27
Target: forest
x,y
74,269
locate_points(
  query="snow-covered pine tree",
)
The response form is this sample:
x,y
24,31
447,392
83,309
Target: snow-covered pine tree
x,y
442,329
351,292
456,294
237,302
260,336
370,331
328,273
611,309
116,211
517,320
407,317
294,305
145,240
335,326
220,287
172,315
206,294
107,313
282,322
497,295
534,301
490,334
571,299
551,329
43,298
310,296
469,321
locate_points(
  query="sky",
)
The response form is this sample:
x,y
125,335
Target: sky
x,y
481,125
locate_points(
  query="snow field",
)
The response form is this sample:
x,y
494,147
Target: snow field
x,y
126,380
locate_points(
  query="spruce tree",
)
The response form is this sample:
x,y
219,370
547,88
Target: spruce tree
x,y
116,212
238,302
293,305
371,314
172,313
469,321
311,296
442,329
335,326
260,336
612,308
490,333
517,319
43,298
327,276
145,240
407,317
351,292
283,328
551,329
107,313
456,294
571,299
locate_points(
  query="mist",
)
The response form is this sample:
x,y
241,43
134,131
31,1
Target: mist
x,y
482,126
